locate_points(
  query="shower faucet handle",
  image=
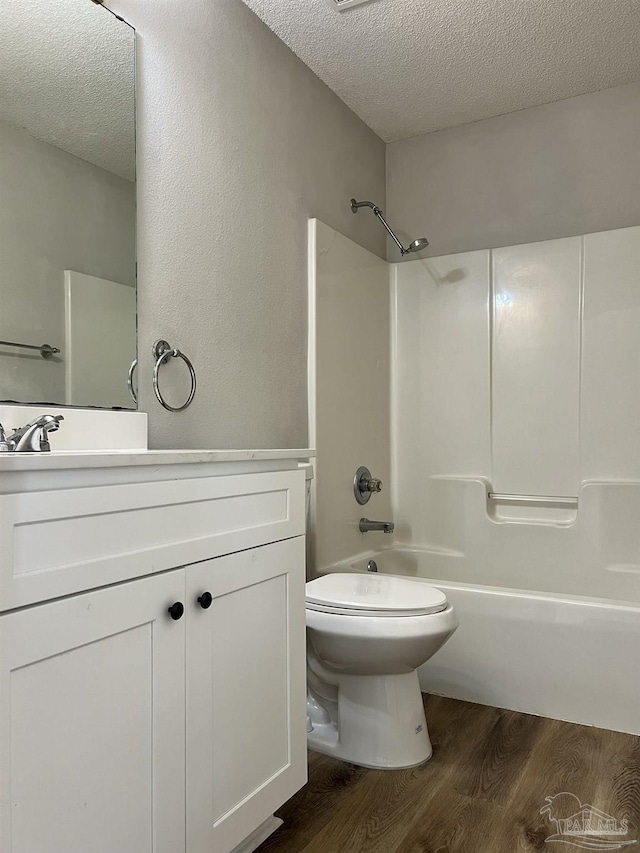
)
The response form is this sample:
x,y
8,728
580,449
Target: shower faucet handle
x,y
364,485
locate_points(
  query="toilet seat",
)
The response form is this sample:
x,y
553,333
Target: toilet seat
x,y
358,594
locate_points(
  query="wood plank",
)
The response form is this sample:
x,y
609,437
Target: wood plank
x,y
483,790
330,784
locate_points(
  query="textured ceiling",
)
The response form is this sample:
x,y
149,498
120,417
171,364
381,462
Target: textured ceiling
x,y
408,67
67,76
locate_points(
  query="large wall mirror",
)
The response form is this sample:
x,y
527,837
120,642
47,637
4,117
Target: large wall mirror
x,y
67,204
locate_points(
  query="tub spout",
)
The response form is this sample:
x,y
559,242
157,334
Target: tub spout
x,y
382,526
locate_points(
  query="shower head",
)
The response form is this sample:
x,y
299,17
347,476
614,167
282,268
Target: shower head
x,y
415,246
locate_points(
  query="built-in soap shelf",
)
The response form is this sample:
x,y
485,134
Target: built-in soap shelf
x,y
534,509
537,509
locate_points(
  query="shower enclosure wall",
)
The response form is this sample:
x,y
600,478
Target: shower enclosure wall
x,y
515,459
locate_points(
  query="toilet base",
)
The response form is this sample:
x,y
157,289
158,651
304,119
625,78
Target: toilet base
x,y
374,721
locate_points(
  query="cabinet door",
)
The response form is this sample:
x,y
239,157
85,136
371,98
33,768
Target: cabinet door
x,y
92,722
246,692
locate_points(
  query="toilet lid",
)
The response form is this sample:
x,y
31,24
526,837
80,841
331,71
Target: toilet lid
x,y
383,594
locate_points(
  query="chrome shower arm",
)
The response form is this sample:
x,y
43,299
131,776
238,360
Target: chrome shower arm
x,y
415,246
356,205
378,213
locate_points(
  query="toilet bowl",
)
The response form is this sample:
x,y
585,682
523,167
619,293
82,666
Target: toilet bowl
x,y
366,637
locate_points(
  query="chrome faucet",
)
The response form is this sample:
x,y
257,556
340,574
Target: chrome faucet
x,y
32,438
383,526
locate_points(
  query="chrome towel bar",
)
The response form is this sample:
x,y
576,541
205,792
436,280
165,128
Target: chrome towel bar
x,y
46,350
534,499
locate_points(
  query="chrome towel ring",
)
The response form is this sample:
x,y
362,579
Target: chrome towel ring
x,y
132,390
161,352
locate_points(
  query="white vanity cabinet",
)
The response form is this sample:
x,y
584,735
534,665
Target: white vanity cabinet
x,y
246,692
126,730
92,710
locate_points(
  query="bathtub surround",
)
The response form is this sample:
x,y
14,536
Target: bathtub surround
x,y
239,143
558,170
513,375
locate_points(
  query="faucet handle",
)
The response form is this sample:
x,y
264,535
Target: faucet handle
x,y
364,485
6,445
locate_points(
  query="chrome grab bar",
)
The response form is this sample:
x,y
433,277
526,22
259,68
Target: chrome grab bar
x,y
549,500
45,350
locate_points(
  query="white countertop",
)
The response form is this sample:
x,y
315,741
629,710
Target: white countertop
x,y
60,460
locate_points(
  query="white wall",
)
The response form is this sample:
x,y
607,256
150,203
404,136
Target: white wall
x,y
239,143
558,170
515,372
57,212
350,373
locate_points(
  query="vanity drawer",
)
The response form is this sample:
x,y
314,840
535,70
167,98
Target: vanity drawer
x,y
59,542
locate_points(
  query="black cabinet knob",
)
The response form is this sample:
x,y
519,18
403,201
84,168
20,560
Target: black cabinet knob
x,y
205,600
176,610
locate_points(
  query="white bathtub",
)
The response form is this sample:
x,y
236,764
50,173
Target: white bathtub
x,y
566,657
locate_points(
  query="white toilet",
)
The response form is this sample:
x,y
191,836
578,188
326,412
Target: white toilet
x,y
367,634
